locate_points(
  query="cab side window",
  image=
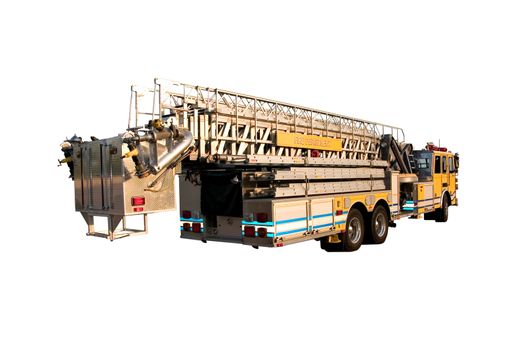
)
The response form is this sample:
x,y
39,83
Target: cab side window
x,y
444,164
451,165
437,165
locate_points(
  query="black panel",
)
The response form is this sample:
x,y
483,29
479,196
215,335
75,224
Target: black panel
x,y
221,193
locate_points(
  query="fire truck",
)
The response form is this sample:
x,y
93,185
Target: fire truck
x,y
256,171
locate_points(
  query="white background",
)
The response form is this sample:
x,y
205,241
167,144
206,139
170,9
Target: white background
x,y
451,71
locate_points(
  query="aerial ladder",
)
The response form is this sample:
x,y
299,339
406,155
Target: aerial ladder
x,y
249,170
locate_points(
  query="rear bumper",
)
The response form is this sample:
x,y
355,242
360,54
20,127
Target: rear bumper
x,y
258,241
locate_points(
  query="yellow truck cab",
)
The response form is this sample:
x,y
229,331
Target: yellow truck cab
x,y
440,167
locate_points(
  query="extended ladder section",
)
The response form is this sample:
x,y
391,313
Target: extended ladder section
x,y
311,181
230,127
279,149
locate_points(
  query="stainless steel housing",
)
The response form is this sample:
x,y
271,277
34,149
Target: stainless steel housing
x,y
106,182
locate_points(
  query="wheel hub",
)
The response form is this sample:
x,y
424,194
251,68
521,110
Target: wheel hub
x,y
354,230
380,225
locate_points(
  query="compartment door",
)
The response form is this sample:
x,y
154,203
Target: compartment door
x,y
91,176
291,218
321,214
438,179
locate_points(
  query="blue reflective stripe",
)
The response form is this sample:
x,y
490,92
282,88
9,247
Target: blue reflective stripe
x,y
322,215
192,220
271,223
302,229
191,229
304,218
257,223
257,235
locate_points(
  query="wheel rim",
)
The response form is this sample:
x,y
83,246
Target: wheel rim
x,y
354,230
380,225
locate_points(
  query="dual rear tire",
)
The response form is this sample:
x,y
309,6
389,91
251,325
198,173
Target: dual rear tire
x,y
378,226
354,234
371,229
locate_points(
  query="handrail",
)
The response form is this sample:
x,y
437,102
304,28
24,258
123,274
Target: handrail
x,y
186,90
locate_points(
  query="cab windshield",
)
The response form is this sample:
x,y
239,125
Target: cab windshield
x,y
423,164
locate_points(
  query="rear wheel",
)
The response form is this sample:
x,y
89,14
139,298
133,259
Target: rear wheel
x,y
355,231
378,226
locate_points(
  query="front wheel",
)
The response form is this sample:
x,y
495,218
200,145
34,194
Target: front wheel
x,y
354,232
442,214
